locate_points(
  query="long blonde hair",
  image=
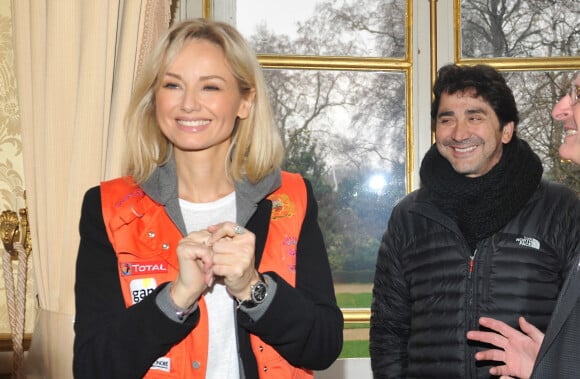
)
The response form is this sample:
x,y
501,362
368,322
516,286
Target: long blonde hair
x,y
256,148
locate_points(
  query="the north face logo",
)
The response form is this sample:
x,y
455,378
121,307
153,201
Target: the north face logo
x,y
529,242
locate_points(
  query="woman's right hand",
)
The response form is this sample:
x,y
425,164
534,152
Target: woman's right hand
x,y
195,269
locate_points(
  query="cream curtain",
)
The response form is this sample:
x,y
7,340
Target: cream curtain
x,y
75,64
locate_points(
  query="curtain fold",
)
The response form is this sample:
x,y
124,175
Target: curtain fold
x,y
75,65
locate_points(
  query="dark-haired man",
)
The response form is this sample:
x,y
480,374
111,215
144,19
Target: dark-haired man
x,y
483,236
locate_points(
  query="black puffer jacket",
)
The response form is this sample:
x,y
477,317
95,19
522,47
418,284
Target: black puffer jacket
x,y
430,289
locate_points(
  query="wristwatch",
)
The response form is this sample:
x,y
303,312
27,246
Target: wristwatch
x,y
258,293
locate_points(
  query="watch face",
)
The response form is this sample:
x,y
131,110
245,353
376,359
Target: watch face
x,y
259,292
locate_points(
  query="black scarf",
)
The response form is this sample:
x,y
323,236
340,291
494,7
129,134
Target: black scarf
x,y
481,206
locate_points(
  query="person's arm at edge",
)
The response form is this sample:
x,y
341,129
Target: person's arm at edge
x,y
518,350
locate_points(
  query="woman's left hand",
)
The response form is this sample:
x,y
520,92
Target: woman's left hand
x,y
234,249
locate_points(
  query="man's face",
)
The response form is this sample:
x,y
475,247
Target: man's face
x,y
467,133
569,114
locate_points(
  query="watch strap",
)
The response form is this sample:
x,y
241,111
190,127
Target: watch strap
x,y
258,293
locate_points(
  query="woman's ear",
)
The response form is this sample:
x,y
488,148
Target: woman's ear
x,y
246,104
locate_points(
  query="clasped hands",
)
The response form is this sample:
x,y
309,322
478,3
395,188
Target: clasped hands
x,y
222,251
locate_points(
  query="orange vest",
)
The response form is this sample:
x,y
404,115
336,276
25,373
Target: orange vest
x,y
145,239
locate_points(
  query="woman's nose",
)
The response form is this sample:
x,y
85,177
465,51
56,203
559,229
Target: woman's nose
x,y
189,102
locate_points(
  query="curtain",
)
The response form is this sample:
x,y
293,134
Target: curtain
x,y
75,65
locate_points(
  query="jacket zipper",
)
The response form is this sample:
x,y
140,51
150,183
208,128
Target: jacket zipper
x,y
471,264
469,314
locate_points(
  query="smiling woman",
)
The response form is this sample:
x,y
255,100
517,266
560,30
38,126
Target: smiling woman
x,y
198,103
231,242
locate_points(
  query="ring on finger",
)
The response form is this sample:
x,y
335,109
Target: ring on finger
x,y
239,230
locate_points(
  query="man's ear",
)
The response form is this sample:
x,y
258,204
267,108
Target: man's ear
x,y
507,132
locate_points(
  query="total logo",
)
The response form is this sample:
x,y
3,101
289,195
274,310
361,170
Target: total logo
x,y
142,268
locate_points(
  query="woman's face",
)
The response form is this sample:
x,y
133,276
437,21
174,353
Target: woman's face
x,y
569,114
199,100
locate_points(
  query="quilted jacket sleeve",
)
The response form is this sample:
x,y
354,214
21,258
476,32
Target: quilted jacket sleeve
x,y
390,309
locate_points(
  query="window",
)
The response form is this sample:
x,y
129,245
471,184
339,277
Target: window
x,y
536,43
350,82
339,80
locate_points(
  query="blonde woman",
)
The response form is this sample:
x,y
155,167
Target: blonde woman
x,y
206,260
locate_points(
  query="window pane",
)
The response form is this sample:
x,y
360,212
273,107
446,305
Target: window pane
x,y
510,28
346,132
324,28
536,93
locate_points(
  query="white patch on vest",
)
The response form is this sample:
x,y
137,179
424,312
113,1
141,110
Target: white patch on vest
x,y
162,364
141,288
529,242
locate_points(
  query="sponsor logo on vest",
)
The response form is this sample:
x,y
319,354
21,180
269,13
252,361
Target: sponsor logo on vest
x,y
142,268
282,206
141,288
290,243
529,242
138,193
162,364
125,268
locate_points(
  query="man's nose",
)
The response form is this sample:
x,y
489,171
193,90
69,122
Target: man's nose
x,y
563,109
461,131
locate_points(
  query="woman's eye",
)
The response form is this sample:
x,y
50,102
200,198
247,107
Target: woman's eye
x,y
211,88
170,85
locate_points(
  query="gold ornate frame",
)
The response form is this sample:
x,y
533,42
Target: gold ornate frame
x,y
509,64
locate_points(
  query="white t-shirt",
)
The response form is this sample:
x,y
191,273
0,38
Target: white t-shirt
x,y
222,358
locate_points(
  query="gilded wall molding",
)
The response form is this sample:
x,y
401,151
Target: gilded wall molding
x,y
11,166
12,187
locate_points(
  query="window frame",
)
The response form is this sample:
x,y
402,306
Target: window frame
x,y
425,54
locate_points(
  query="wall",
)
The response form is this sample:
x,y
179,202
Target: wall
x,y
11,165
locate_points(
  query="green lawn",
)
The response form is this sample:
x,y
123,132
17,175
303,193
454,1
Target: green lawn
x,y
357,325
355,349
354,300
